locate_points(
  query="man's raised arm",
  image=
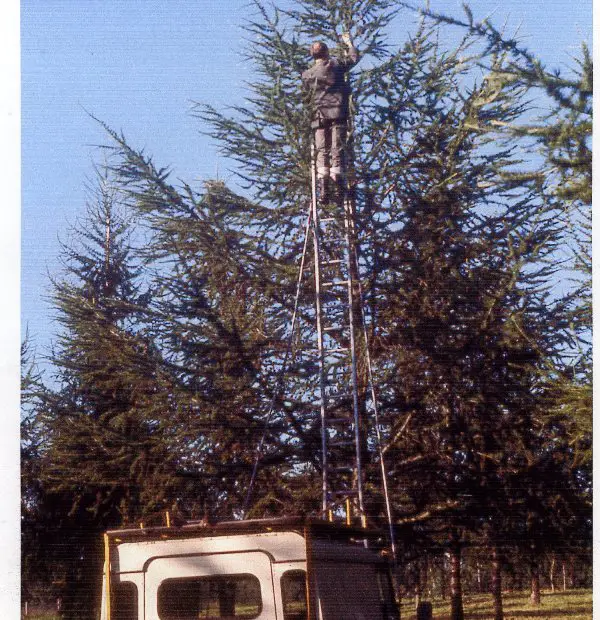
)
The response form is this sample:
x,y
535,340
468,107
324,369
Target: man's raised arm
x,y
352,55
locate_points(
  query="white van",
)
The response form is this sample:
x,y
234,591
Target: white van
x,y
276,569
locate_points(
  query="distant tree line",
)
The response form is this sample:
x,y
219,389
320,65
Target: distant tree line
x,y
174,305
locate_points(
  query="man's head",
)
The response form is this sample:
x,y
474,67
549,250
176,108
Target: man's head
x,y
319,50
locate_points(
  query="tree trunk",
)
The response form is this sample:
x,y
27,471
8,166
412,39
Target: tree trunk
x,y
456,602
564,573
429,578
571,583
535,598
497,584
552,567
443,580
432,582
424,575
417,583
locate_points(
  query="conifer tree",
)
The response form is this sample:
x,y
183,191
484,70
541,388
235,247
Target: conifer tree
x,y
463,276
563,135
106,461
32,444
269,138
37,570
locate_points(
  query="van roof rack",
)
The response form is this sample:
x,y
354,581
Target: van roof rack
x,y
315,526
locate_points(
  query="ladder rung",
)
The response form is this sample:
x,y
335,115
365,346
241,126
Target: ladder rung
x,y
347,493
335,283
340,317
334,328
334,261
338,350
337,400
341,468
335,444
338,394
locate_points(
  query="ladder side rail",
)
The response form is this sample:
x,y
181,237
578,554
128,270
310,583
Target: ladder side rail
x,y
349,207
386,494
318,311
348,220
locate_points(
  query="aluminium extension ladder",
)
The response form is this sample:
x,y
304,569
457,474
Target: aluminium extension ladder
x,y
336,309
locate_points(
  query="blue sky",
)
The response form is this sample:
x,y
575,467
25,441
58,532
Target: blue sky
x,y
138,65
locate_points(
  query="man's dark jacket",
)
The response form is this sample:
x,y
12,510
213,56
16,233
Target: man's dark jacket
x,y
328,89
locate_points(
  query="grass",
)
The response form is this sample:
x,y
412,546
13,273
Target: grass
x,y
572,605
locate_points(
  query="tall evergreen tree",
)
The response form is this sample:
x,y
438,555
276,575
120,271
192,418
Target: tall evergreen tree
x,y
38,570
106,461
431,170
562,422
462,270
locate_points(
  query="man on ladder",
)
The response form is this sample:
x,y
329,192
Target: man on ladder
x,y
330,93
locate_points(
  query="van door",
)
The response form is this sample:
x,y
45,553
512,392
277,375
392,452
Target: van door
x,y
214,586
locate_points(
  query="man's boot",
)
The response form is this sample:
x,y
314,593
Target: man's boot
x,y
324,189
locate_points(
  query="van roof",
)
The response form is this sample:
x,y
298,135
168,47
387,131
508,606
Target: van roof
x,y
307,525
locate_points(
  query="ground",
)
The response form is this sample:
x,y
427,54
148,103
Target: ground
x,y
572,604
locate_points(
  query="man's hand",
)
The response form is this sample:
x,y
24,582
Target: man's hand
x,y
347,39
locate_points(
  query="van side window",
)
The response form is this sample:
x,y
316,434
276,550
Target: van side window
x,y
210,598
293,595
124,601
